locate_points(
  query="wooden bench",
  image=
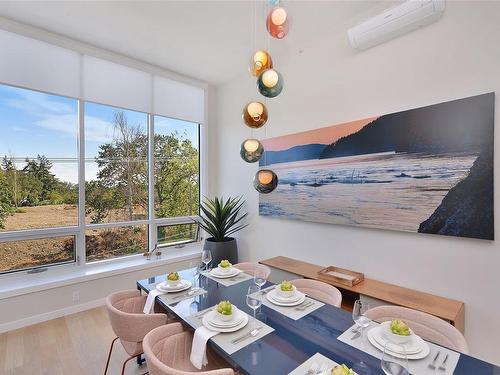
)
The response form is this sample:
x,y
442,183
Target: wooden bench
x,y
447,309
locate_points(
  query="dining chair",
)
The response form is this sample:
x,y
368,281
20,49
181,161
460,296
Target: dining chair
x,y
319,290
429,327
168,348
250,267
129,323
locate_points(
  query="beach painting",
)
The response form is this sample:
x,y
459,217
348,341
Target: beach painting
x,y
424,170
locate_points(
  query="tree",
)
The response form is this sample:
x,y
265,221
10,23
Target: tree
x,y
176,176
40,169
6,206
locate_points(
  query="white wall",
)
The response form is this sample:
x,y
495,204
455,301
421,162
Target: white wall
x,y
326,82
31,308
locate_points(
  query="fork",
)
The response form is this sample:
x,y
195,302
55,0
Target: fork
x,y
442,367
432,365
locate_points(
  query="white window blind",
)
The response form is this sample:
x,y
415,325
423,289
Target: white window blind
x,y
113,84
37,65
30,63
179,100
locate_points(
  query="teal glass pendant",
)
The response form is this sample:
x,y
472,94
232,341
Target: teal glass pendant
x,y
265,181
270,83
251,150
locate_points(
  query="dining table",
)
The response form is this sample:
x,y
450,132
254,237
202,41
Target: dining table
x,y
293,341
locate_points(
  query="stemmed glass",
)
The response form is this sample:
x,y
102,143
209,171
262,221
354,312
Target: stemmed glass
x,y
253,300
206,258
359,317
392,365
259,277
194,270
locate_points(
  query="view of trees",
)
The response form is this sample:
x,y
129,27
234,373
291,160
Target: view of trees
x,y
122,179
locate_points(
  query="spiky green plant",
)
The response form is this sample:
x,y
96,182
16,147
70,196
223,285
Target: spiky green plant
x,y
220,219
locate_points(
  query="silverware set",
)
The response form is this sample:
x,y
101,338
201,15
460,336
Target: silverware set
x,y
316,369
254,332
433,365
187,294
304,306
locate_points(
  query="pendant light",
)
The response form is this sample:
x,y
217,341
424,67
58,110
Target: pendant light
x,y
265,181
270,83
277,22
255,115
261,61
251,150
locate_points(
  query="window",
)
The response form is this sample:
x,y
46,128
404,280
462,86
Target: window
x,y
177,191
40,183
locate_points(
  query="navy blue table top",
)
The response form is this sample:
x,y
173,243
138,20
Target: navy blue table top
x,y
293,341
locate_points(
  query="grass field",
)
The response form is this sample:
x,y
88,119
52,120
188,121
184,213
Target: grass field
x,y
101,244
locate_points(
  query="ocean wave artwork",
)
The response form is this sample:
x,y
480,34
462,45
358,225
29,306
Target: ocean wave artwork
x,y
425,170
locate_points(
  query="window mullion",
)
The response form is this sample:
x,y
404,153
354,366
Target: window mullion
x,y
80,239
151,174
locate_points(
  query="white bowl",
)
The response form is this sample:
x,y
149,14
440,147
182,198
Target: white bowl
x,y
226,318
287,293
225,270
394,338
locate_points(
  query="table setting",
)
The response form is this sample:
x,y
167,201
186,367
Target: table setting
x,y
174,289
229,327
287,300
224,273
400,350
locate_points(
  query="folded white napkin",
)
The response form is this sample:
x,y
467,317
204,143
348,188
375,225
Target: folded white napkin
x,y
199,348
150,301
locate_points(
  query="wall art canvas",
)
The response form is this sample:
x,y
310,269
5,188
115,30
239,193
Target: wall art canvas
x,y
425,170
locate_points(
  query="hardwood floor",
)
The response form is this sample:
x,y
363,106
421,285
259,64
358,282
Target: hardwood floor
x,y
73,345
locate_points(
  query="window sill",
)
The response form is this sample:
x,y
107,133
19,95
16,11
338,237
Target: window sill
x,y
23,283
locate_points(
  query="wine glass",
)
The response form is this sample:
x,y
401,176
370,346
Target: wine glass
x,y
259,277
194,270
359,317
206,258
392,365
253,300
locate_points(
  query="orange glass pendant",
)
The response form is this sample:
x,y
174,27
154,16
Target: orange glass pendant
x,y
255,115
277,22
270,83
265,181
261,61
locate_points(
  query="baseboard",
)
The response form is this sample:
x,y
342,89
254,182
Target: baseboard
x,y
21,323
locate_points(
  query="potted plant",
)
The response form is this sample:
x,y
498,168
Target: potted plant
x,y
220,219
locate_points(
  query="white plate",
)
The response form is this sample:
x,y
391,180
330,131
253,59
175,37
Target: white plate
x,y
270,298
277,297
214,320
215,274
413,346
422,354
165,288
206,323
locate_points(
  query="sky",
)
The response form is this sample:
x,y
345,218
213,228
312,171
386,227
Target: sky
x,y
323,136
34,123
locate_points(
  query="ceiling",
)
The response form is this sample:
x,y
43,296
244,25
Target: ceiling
x,y
208,40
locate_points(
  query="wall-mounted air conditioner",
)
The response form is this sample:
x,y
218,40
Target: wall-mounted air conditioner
x,y
394,22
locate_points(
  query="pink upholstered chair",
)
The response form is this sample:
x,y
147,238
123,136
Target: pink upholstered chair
x,y
425,325
129,323
250,267
168,348
319,290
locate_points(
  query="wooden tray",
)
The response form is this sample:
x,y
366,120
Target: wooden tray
x,y
341,276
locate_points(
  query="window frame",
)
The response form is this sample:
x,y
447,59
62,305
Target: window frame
x,y
78,231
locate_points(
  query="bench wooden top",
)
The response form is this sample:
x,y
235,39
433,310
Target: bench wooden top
x,y
441,307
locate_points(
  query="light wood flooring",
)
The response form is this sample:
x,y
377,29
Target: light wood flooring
x,y
72,345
